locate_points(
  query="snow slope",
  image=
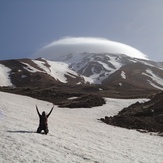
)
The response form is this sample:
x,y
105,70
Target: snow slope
x,y
75,135
155,78
57,70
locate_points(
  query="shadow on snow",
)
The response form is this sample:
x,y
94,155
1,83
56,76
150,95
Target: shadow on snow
x,y
21,131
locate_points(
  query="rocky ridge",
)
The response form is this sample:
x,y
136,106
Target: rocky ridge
x,y
147,116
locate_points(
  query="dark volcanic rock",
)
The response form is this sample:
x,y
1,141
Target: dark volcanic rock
x,y
146,116
61,95
85,101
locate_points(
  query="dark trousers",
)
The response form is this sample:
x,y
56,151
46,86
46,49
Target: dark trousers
x,y
44,128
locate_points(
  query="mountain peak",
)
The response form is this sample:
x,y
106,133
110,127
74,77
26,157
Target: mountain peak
x,y
78,45
118,70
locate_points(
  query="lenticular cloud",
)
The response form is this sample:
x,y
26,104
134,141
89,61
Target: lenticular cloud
x,y
76,45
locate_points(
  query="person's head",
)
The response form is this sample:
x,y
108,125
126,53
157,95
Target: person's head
x,y
43,113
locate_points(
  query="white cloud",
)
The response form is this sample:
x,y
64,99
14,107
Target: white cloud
x,y
77,45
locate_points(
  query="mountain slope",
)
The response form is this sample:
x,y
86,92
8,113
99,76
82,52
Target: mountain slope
x,y
120,70
26,72
75,134
86,68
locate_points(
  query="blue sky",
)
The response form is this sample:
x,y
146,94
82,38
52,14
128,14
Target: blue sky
x,y
28,25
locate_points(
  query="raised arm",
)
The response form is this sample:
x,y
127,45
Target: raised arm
x,y
38,111
50,111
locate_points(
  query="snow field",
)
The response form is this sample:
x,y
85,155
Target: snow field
x,y
76,136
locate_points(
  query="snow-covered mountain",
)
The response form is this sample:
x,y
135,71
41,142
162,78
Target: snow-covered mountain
x,y
106,69
75,135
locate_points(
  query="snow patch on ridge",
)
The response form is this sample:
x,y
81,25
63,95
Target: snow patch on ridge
x,y
4,76
156,79
30,68
57,70
123,75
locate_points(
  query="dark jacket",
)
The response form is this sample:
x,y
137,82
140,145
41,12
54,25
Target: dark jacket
x,y
44,117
